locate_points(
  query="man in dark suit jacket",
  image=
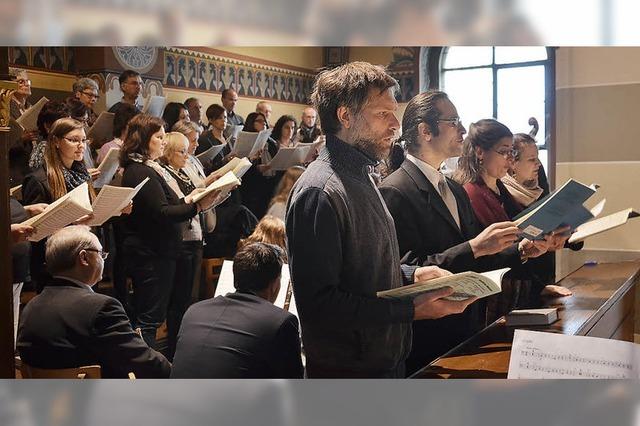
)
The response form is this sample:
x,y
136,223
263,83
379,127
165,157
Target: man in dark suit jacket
x,y
242,334
435,222
68,325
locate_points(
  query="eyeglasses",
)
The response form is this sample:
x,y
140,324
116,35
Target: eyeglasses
x,y
103,254
455,121
91,95
77,141
23,82
505,153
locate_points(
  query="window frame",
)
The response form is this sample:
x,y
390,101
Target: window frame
x,y
432,69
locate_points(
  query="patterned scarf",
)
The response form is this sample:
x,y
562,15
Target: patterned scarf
x,y
76,175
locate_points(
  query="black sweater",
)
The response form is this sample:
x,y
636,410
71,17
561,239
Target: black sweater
x,y
154,227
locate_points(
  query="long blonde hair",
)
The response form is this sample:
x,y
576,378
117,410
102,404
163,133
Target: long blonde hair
x,y
286,183
53,161
270,230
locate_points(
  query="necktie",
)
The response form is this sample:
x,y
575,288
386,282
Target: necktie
x,y
448,198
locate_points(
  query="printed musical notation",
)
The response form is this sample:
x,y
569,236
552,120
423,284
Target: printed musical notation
x,y
538,355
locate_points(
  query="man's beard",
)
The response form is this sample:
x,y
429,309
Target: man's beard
x,y
371,149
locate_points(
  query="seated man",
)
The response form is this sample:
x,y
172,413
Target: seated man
x,y
242,334
68,325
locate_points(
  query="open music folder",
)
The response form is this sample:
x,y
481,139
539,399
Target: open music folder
x,y
465,285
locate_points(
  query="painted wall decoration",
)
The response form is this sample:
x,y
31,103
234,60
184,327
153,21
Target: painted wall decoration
x,y
61,59
404,68
203,71
138,58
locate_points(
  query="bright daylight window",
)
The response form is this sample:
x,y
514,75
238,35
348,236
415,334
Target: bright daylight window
x,y
505,83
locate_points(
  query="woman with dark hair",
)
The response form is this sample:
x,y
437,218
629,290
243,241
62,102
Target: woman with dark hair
x,y
217,116
487,152
284,130
49,114
259,183
153,231
174,112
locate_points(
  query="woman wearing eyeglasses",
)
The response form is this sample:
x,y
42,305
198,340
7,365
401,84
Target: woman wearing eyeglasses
x,y
20,97
62,171
487,154
153,230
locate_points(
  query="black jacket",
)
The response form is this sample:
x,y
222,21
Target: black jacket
x,y
68,325
239,335
154,227
428,235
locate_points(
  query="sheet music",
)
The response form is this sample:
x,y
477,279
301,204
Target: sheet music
x,y
249,143
111,200
29,120
154,106
60,213
602,224
225,283
102,129
209,154
289,156
538,355
225,183
464,284
108,168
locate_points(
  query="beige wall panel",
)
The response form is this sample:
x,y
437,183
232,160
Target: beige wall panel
x,y
598,123
374,55
305,57
586,66
620,185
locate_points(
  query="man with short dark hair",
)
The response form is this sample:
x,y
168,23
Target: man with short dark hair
x,y
131,86
229,99
242,334
68,325
342,242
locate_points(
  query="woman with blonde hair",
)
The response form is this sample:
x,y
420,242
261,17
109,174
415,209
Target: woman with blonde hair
x,y
278,204
153,232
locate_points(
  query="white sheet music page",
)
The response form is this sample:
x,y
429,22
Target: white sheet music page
x,y
538,355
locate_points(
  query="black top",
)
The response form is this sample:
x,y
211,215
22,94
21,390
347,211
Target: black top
x,y
68,325
238,336
154,227
206,141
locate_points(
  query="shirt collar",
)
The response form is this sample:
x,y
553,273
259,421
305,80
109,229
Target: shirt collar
x,y
79,283
433,175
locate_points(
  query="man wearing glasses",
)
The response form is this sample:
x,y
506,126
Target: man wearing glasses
x,y
131,86
69,325
20,97
86,91
435,222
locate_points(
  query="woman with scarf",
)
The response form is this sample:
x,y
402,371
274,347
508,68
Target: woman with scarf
x,y
486,157
522,182
61,171
153,230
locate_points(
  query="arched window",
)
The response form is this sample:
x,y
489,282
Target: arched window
x,y
510,84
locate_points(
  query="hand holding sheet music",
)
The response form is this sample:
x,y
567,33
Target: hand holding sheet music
x,y
225,183
465,285
29,119
111,201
